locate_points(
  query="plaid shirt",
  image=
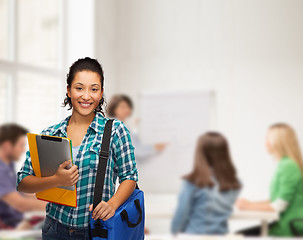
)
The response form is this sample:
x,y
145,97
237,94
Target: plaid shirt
x,y
121,163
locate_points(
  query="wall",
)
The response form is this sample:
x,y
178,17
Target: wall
x,y
249,52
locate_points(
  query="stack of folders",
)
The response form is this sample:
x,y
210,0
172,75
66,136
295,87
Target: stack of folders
x,y
47,153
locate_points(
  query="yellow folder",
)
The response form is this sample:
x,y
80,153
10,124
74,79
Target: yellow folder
x,y
54,195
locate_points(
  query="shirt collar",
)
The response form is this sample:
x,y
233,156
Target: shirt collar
x,y
97,121
62,127
284,158
94,124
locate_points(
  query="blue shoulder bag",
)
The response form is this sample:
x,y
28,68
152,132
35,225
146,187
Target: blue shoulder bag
x,y
129,218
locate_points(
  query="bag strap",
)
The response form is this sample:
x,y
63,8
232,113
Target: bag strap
x,y
103,157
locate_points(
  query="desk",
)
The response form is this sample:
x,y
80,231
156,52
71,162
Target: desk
x,y
163,207
264,217
204,237
30,234
28,215
183,237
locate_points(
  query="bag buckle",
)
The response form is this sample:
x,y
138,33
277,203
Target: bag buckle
x,y
98,230
104,154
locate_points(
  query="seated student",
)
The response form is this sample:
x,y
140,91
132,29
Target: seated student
x,y
209,191
12,203
286,191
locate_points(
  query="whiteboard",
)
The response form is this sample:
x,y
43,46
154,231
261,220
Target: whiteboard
x,y
179,118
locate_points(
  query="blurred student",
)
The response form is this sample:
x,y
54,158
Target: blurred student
x,y
12,203
121,106
209,191
286,191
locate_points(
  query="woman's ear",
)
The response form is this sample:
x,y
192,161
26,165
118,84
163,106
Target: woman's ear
x,y
101,94
68,91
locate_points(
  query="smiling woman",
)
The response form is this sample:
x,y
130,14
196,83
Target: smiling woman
x,y
85,127
85,78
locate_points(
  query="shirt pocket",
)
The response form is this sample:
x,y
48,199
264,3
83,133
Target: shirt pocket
x,y
94,159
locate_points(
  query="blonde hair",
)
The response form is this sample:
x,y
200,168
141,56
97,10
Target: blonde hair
x,y
283,140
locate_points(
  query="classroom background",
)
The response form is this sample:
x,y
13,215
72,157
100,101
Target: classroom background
x,y
243,57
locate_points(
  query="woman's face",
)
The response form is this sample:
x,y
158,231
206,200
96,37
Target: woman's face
x,y
122,111
268,144
85,92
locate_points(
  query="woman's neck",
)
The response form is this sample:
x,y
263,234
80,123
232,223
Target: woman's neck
x,y
79,119
277,157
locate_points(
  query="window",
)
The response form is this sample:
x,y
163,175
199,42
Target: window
x,y
3,96
37,110
31,57
38,33
4,26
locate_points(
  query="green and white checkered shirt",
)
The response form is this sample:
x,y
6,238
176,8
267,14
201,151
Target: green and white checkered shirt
x,y
121,163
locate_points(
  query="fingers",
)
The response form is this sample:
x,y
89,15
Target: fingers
x,y
73,168
75,179
109,216
65,164
90,207
76,176
97,209
75,173
104,213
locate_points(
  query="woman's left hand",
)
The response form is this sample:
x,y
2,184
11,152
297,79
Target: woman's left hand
x,y
242,203
103,210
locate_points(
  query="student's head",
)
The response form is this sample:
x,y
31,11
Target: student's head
x,y
120,106
212,159
281,141
12,141
85,85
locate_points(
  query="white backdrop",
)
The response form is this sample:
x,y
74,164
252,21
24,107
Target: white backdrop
x,y
177,118
249,52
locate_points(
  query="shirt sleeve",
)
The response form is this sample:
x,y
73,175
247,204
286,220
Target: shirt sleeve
x,y
279,205
27,167
5,186
289,178
182,212
25,170
124,154
143,151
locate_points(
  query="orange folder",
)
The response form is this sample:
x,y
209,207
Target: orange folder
x,y
54,195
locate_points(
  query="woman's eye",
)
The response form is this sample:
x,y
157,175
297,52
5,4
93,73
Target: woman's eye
x,y
78,88
95,89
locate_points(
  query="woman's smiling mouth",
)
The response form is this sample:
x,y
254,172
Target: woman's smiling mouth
x,y
85,104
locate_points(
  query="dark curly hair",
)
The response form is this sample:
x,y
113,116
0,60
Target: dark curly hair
x,y
85,64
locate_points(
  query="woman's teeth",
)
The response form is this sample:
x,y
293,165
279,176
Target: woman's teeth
x,y
85,104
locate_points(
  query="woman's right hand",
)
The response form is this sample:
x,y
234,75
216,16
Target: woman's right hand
x,y
160,146
242,203
67,177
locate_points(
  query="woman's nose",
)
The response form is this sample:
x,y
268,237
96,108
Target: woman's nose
x,y
86,95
